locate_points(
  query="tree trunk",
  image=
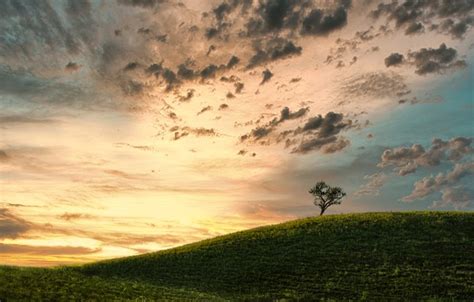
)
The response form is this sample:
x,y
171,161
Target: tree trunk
x,y
322,211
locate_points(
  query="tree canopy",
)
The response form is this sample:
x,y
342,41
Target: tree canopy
x,y
326,196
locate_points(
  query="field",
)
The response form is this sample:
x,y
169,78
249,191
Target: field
x,y
375,256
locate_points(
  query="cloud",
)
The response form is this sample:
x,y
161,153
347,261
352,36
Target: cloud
x,y
330,144
75,216
374,183
374,84
24,119
435,60
457,29
27,87
430,184
285,115
414,16
205,109
406,160
274,49
457,197
266,76
45,250
233,61
238,87
294,15
414,28
318,133
198,132
72,67
322,133
320,23
394,59
142,3
12,226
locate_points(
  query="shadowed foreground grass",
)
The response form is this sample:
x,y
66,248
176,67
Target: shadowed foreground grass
x,y
375,256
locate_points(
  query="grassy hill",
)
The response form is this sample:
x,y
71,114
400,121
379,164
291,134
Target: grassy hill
x,y
376,256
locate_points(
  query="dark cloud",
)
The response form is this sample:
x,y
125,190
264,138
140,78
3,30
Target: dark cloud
x,y
266,76
414,28
189,95
205,109
274,49
435,60
12,226
263,131
155,69
132,88
414,15
170,78
238,87
318,133
329,144
223,106
275,16
131,66
321,133
71,66
209,72
286,114
185,73
233,61
394,59
406,160
320,23
300,16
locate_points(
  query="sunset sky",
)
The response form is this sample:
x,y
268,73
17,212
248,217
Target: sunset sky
x,y
131,126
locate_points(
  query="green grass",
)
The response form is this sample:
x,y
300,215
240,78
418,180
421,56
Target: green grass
x,y
376,256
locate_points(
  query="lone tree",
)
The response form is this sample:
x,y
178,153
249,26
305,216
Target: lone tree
x,y
325,195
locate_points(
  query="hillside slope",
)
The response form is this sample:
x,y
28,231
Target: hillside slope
x,y
377,255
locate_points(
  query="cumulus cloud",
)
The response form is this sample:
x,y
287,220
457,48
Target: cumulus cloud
x,y
323,134
431,184
374,183
274,49
394,59
285,115
435,60
414,16
266,76
457,197
406,160
317,133
320,23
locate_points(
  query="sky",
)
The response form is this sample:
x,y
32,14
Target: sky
x,y
131,126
